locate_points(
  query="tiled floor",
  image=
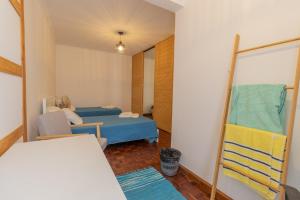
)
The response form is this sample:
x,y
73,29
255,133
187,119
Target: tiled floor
x,y
131,156
164,139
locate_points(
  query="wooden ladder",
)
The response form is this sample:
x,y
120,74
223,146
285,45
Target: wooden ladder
x,y
295,87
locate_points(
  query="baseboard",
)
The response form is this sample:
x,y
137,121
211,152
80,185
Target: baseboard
x,y
204,185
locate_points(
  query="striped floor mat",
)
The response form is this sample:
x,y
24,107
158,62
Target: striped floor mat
x,y
148,184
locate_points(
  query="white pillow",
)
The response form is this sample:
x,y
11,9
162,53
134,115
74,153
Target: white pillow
x,y
72,117
53,109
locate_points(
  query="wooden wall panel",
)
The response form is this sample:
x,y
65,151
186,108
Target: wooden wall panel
x,y
9,67
163,84
10,139
23,55
17,4
137,83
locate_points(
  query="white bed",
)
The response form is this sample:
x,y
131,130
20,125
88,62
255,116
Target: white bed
x,y
73,168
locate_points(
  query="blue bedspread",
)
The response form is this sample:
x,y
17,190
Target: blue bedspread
x,y
96,111
118,130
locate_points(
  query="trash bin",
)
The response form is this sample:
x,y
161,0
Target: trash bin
x,y
291,193
169,161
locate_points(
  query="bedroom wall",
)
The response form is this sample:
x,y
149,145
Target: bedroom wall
x,y
40,60
93,78
204,38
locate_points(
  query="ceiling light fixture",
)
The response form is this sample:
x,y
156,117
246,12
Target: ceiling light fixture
x,y
120,46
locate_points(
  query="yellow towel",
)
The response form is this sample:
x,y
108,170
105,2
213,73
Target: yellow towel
x,y
253,157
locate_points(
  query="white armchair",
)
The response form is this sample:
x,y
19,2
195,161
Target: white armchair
x,y
55,125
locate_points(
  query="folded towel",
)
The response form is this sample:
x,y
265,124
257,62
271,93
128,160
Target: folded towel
x,y
257,154
124,116
135,115
259,106
128,115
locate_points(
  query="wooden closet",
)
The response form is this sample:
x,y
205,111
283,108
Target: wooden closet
x,y
163,83
137,83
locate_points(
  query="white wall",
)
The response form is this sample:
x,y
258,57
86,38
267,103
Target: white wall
x,y
148,100
10,86
40,60
204,38
93,78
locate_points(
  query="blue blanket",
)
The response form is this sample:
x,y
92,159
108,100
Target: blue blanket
x,y
96,111
118,130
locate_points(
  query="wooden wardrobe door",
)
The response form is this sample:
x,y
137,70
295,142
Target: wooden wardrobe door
x,y
163,84
137,83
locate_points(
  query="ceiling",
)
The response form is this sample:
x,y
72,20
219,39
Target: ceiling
x,y
93,23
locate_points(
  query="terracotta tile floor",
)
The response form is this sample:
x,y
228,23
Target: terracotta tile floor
x,y
131,156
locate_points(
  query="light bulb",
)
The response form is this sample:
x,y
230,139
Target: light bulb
x,y
120,47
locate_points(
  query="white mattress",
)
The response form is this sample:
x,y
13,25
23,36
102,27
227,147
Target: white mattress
x,y
62,169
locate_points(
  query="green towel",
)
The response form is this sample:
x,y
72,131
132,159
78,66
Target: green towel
x,y
259,106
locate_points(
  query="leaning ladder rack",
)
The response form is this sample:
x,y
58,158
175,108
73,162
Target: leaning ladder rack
x,y
295,87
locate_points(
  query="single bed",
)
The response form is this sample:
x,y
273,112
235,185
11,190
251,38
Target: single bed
x,y
73,168
82,111
118,130
97,111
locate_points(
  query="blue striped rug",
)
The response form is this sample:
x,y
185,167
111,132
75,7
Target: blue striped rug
x,y
148,184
